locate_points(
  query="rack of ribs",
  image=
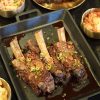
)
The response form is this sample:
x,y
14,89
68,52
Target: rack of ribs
x,y
66,53
31,69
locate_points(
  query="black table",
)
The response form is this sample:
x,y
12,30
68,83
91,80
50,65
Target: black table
x,y
76,13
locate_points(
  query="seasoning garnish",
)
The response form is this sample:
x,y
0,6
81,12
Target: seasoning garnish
x,y
77,63
35,69
42,55
62,55
28,59
49,66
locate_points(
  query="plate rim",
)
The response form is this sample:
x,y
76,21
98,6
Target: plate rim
x,y
82,1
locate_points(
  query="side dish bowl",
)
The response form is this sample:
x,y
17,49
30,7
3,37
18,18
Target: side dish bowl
x,y
6,90
59,4
10,11
90,23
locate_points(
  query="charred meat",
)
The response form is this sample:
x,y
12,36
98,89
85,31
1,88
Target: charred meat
x,y
41,68
51,63
69,57
31,69
66,53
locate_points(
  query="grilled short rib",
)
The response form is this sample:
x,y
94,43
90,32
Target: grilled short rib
x,y
66,53
69,57
31,69
52,64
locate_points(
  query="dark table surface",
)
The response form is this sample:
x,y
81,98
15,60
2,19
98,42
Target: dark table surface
x,y
76,13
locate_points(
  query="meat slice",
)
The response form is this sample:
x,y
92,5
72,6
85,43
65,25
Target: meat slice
x,y
52,64
32,70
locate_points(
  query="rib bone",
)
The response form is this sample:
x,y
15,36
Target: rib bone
x,y
16,49
42,45
61,34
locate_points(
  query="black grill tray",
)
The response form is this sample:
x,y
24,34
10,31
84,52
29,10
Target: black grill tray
x,y
28,26
76,14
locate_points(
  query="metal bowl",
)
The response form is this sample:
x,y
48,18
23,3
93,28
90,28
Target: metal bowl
x,y
88,32
7,86
11,13
55,6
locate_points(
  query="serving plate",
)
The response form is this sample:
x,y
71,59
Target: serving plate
x,y
71,4
25,30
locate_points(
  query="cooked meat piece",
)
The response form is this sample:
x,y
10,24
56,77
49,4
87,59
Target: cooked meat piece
x,y
52,52
66,53
25,75
69,57
18,62
16,49
33,47
32,70
52,64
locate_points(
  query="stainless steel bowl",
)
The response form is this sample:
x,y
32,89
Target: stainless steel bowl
x,y
88,32
7,86
11,13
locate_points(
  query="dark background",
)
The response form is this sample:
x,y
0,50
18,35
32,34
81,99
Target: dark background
x,y
76,13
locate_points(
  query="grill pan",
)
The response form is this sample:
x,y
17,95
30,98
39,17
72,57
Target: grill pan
x,y
25,30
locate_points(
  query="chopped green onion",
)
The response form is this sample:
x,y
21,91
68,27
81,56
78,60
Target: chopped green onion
x,y
28,59
49,66
33,69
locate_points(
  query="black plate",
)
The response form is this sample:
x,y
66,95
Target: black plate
x,y
30,25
